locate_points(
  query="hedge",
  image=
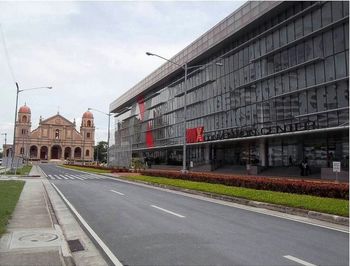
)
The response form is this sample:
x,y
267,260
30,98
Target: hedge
x,y
112,169
306,187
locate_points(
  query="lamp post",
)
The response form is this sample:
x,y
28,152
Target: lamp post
x,y
185,67
108,133
14,127
4,152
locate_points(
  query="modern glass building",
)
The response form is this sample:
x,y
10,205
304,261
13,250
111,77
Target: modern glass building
x,y
280,93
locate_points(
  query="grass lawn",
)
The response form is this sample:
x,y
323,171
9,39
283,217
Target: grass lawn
x,y
86,169
9,195
325,205
21,171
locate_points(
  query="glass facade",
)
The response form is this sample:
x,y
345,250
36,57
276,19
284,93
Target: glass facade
x,y
281,94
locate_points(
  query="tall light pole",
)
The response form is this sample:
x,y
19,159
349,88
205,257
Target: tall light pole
x,y
14,127
108,133
4,152
185,67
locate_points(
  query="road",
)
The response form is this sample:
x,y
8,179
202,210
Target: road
x,y
147,226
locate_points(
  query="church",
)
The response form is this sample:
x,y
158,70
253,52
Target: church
x,y
56,138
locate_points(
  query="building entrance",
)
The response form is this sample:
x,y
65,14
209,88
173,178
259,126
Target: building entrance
x,y
56,152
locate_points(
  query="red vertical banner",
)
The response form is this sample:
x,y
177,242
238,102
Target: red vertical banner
x,y
141,104
149,136
194,135
149,132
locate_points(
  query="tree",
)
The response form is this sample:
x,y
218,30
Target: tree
x,y
100,152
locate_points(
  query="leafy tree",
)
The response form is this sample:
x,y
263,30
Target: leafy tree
x,y
100,152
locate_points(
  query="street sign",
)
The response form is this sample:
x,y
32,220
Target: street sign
x,y
336,167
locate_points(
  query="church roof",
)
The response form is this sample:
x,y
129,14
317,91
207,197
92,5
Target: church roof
x,y
24,109
57,120
88,114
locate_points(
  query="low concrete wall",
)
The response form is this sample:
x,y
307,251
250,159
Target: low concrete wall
x,y
328,174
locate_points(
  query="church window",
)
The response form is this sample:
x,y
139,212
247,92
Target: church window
x,y
24,119
57,134
23,131
87,153
88,135
22,150
89,123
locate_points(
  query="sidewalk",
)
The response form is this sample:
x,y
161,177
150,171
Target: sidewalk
x,y
39,229
31,238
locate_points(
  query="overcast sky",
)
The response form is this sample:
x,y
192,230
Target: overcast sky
x,y
90,52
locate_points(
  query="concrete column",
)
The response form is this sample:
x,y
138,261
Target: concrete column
x,y
207,154
262,152
49,152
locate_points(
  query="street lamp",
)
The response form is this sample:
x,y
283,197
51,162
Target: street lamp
x,y
185,67
14,127
108,134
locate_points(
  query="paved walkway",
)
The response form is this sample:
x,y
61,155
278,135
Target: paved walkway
x,y
40,227
31,237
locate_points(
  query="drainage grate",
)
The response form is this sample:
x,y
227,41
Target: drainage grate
x,y
75,245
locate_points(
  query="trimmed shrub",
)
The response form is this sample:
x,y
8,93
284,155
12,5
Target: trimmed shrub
x,y
288,185
112,169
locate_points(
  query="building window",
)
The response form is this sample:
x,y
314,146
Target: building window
x,y
24,119
88,135
22,151
24,131
87,153
89,123
57,134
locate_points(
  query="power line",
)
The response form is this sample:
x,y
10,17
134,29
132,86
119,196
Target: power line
x,y
7,54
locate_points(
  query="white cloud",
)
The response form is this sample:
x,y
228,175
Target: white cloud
x,y
91,52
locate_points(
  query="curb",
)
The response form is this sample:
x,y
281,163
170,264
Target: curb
x,y
70,228
65,252
273,207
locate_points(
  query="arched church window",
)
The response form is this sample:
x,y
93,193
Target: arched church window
x,y
89,123
23,131
88,135
87,153
57,134
24,119
22,150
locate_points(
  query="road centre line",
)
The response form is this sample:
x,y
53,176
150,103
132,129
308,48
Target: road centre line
x,y
119,193
104,247
167,211
299,260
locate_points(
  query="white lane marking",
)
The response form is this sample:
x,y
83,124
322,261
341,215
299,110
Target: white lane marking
x,y
83,177
71,178
51,177
77,177
117,192
63,176
303,262
285,216
167,211
57,176
104,247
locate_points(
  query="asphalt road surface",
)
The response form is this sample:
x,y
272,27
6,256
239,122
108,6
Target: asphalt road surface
x,y
147,226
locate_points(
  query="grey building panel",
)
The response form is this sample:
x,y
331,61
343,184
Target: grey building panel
x,y
246,14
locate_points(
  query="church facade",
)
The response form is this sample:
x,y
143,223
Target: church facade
x,y
56,138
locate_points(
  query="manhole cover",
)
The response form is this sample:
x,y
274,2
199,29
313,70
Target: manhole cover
x,y
38,237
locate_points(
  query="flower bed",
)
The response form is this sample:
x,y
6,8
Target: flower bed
x,y
322,189
112,169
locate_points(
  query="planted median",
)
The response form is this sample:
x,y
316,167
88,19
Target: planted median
x,y
308,202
